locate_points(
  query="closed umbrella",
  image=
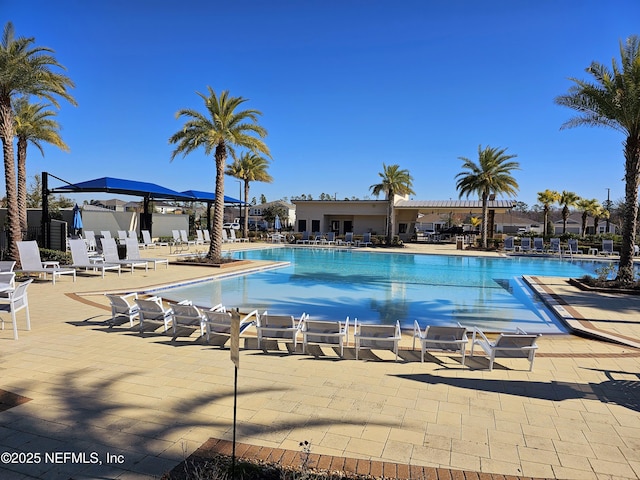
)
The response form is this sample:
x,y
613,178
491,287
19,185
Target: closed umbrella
x,y
276,224
77,219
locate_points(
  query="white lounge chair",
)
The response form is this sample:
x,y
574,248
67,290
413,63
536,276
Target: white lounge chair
x,y
81,258
90,240
348,239
218,321
508,245
366,240
15,301
110,252
105,233
554,246
225,237
329,239
122,236
7,265
525,244
199,237
442,338
152,310
185,238
538,245
322,332
123,306
233,237
508,345
278,327
207,236
385,337
305,238
31,263
146,239
572,247
133,253
607,248
187,315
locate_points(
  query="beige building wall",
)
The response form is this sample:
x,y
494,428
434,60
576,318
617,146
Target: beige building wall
x,y
341,216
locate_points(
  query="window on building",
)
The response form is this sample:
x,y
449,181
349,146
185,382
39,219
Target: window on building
x,y
315,225
302,225
402,228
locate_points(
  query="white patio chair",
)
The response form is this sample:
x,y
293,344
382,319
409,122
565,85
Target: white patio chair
x,y
152,310
322,332
90,240
508,245
525,244
15,301
538,245
366,240
199,237
7,265
508,345
110,252
31,262
572,247
607,248
186,314
105,233
122,236
554,246
442,338
278,327
7,283
233,237
207,236
305,238
385,337
133,253
146,239
123,306
185,238
218,321
81,258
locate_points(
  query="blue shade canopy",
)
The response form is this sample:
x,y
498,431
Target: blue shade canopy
x,y
124,187
198,196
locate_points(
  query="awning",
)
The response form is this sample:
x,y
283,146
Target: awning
x,y
199,196
123,187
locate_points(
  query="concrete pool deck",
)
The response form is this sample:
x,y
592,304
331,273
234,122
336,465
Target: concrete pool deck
x,y
117,404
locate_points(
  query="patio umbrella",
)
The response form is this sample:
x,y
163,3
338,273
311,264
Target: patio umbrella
x,y
77,219
276,223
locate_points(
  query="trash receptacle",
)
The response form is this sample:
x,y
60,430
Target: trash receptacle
x,y
459,243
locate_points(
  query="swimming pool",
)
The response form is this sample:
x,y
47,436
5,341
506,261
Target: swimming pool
x,y
326,283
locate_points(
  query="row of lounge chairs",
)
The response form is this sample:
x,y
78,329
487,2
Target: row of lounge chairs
x,y
555,247
330,239
84,259
217,320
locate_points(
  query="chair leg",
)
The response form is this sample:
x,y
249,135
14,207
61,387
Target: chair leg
x,y
15,324
26,308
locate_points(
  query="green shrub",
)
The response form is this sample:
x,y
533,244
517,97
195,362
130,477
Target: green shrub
x,y
64,258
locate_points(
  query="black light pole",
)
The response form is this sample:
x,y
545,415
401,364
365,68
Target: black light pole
x,y
244,234
608,209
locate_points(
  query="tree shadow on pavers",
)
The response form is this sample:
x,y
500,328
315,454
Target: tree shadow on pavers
x,y
625,393
95,410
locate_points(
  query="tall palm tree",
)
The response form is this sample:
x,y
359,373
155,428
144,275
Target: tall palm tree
x,y
492,174
24,70
395,181
598,213
567,199
547,198
612,100
33,124
220,130
249,168
588,207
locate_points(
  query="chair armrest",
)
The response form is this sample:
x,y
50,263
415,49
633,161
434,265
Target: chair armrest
x,y
476,330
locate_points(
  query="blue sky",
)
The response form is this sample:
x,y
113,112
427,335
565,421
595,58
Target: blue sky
x,y
343,87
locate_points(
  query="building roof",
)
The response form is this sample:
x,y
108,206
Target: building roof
x,y
453,204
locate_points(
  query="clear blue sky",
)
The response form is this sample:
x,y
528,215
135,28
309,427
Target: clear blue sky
x,y
343,87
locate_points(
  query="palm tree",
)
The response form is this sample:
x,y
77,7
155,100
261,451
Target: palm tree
x,y
492,174
598,213
24,70
588,207
394,182
612,101
249,168
33,124
567,199
547,198
220,130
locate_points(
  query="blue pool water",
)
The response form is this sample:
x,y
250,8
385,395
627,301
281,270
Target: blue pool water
x,y
383,287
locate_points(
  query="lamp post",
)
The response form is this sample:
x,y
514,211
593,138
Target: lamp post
x,y
244,234
608,208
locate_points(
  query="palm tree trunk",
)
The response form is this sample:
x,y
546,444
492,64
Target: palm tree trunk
x,y
22,183
390,222
632,181
485,219
215,247
584,224
7,134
